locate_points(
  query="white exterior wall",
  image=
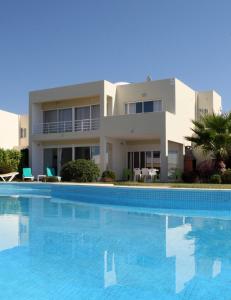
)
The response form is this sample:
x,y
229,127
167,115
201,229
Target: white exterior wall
x,y
10,125
9,130
24,124
165,130
209,102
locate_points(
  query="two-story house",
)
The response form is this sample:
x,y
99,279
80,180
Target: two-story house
x,y
13,131
119,125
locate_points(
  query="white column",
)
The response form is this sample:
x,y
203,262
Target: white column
x,y
103,153
181,156
163,159
36,158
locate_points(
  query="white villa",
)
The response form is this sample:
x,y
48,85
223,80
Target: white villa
x,y
14,132
119,125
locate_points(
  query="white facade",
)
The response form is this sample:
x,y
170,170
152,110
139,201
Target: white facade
x,y
14,131
118,125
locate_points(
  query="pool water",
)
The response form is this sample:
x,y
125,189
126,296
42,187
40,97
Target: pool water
x,y
55,245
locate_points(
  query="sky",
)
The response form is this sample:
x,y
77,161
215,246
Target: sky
x,y
49,43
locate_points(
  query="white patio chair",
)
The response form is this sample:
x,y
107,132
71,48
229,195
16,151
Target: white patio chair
x,y
137,173
145,173
8,176
152,173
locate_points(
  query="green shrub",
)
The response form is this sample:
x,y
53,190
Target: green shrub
x,y
226,176
108,174
215,178
9,160
190,177
80,170
127,174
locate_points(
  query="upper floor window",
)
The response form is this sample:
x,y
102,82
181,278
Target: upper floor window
x,y
203,110
22,133
143,106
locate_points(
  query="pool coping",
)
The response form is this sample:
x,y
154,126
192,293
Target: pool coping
x,y
110,185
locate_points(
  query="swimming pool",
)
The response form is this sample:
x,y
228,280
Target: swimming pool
x,y
78,242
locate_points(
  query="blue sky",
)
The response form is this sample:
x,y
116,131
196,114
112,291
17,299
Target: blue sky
x,y
49,43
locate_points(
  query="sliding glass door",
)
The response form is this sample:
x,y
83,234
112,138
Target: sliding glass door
x,y
66,156
65,120
144,159
87,118
50,159
82,118
50,119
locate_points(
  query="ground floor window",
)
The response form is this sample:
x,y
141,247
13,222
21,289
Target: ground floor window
x,y
173,162
50,158
57,157
143,159
66,155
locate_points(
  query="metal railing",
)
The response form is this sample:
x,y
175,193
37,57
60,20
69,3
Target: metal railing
x,y
66,126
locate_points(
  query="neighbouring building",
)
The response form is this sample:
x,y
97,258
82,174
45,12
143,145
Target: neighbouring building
x,y
14,132
119,125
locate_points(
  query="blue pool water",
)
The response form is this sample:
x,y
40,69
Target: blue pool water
x,y
69,242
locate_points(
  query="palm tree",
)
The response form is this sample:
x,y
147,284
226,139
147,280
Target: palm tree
x,y
213,135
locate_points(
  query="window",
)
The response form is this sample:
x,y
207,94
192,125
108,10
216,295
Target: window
x,y
203,110
22,133
109,106
131,108
139,107
143,107
87,118
50,116
88,152
126,108
144,159
82,153
66,155
156,154
95,154
65,120
136,159
157,105
82,113
95,111
148,106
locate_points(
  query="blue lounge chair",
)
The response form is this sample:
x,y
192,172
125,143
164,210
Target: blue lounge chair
x,y
51,173
27,174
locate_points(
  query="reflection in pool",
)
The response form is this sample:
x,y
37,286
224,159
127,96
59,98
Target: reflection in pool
x,y
56,249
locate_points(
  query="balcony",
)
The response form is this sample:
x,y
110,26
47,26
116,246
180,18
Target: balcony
x,y
66,126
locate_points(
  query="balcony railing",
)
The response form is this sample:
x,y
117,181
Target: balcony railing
x,y
66,126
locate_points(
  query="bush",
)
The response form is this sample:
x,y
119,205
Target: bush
x,y
80,170
205,170
9,160
215,178
108,174
127,174
226,176
190,177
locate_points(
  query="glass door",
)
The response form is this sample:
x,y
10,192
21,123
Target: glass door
x,y
50,118
50,159
66,156
82,118
65,120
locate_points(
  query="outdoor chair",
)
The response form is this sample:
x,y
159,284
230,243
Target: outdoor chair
x,y
8,176
145,173
153,173
51,173
137,173
27,174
